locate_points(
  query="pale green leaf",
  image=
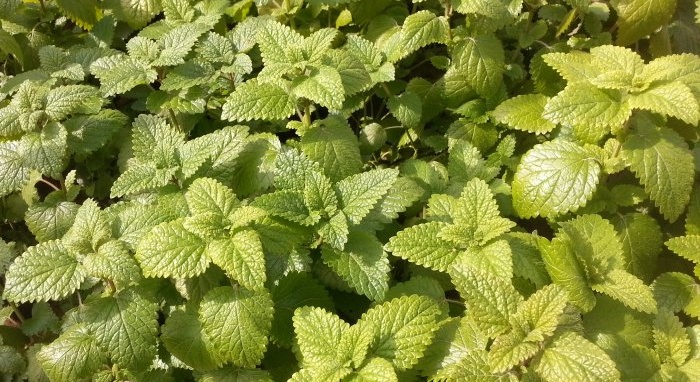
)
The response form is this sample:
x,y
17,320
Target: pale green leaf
x,y
353,73
509,350
639,18
252,100
323,86
671,340
72,356
540,313
318,336
125,326
140,177
169,250
572,357
359,193
553,178
687,247
137,13
374,370
595,243
407,108
288,204
362,263
241,257
334,232
524,113
154,140
473,367
44,272
113,261
119,74
237,322
207,195
527,258
275,41
421,244
90,229
673,291
182,336
660,159
491,300
13,174
334,146
419,29
586,105
673,99
50,221
319,195
627,289
84,14
403,327
62,101
234,374
176,43
45,151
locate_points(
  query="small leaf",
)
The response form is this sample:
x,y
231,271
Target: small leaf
x,y
407,108
421,244
241,257
572,357
182,336
627,289
639,18
252,100
169,250
73,355
360,193
524,113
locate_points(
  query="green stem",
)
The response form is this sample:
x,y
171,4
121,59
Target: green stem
x,y
19,314
306,118
173,119
112,289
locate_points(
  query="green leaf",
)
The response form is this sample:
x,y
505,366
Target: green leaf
x,y
640,235
476,217
527,258
45,151
119,74
169,250
524,113
572,357
419,29
293,291
566,270
137,13
374,370
323,86
362,263
545,175
407,108
9,44
207,195
319,335
491,300
334,232
69,99
353,73
673,99
72,356
87,133
581,104
84,14
403,327
639,18
183,338
113,261
125,326
176,43
627,289
154,140
421,244
334,146
237,322
90,229
509,350
287,204
671,340
660,159
482,59
48,221
275,41
686,247
319,195
673,291
140,177
594,242
252,100
44,272
241,257
360,193
13,174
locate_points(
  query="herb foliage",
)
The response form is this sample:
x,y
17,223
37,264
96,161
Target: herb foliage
x,y
349,190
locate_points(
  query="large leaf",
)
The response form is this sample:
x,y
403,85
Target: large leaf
x,y
639,18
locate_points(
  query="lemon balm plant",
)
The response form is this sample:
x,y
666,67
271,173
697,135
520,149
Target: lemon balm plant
x,y
349,190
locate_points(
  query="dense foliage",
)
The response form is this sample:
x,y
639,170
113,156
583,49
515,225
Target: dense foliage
x,y
349,190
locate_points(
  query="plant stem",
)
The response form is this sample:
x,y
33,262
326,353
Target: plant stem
x,y
19,314
42,180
